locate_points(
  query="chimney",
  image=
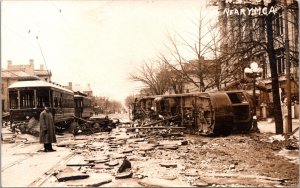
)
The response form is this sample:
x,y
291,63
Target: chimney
x,y
41,67
31,62
70,84
9,64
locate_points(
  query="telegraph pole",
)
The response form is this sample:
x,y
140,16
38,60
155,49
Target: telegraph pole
x,y
288,122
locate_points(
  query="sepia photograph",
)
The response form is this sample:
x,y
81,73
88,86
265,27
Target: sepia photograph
x,y
149,93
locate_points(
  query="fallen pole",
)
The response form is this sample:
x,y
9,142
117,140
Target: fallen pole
x,y
292,133
84,120
160,127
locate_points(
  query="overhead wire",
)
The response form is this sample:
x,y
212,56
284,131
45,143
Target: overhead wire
x,y
37,38
38,41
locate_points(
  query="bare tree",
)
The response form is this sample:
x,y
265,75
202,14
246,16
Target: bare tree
x,y
106,105
114,106
154,75
129,100
204,74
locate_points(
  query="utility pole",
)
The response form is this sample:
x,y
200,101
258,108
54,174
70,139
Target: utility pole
x,y
288,122
274,73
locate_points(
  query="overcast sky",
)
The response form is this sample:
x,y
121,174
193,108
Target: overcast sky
x,y
96,42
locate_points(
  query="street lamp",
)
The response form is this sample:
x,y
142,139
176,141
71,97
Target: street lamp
x,y
254,72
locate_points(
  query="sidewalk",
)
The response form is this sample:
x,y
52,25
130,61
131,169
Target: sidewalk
x,y
22,164
269,126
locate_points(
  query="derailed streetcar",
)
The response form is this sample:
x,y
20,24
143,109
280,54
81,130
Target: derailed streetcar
x,y
209,113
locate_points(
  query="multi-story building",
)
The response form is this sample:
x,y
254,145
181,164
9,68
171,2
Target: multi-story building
x,y
14,73
244,40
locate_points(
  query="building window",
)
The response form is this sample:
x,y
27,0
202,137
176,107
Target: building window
x,y
278,24
280,61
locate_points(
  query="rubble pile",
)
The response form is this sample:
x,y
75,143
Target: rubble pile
x,y
148,158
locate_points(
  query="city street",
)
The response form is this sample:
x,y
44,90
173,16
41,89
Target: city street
x,y
150,93
158,158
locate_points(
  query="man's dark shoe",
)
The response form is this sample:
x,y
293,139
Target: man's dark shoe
x,y
48,150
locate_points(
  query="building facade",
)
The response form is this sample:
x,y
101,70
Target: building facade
x,y
244,39
14,73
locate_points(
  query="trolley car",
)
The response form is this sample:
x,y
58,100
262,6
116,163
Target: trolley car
x,y
208,112
83,105
28,98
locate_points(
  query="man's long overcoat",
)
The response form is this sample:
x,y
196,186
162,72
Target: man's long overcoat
x,y
47,128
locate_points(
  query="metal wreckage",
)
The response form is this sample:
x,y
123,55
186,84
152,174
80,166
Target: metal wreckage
x,y
207,113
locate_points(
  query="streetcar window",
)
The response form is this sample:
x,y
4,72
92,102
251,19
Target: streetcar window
x,y
59,102
57,99
148,104
42,97
63,101
76,103
234,98
13,99
27,99
68,101
237,97
86,102
55,102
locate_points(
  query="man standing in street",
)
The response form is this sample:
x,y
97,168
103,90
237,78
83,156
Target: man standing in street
x,y
47,129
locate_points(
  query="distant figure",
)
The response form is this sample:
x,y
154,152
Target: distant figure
x,y
47,129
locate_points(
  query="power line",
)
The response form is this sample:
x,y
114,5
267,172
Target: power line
x,y
37,38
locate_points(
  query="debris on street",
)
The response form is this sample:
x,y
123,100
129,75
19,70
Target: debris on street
x,y
148,157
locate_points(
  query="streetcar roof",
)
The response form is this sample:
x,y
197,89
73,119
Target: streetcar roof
x,y
37,83
78,96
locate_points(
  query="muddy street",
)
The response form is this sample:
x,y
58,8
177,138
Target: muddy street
x,y
158,157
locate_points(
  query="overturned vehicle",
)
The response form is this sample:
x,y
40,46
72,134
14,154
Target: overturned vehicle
x,y
209,113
